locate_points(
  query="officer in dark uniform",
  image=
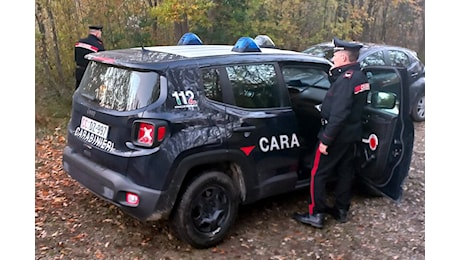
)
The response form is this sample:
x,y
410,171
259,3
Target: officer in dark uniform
x,y
341,113
92,43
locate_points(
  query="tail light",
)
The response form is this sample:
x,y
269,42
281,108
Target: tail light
x,y
148,133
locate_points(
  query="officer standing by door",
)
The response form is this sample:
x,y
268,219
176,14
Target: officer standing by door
x,y
92,43
341,113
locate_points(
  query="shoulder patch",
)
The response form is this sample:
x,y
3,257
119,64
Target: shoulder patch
x,y
348,74
362,87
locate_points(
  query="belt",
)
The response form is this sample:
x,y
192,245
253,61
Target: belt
x,y
323,121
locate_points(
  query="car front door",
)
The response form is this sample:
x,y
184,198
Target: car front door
x,y
388,132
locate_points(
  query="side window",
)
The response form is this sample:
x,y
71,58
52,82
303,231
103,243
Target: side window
x,y
398,58
306,84
211,84
303,76
254,86
374,59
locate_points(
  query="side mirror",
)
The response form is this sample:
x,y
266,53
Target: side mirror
x,y
382,100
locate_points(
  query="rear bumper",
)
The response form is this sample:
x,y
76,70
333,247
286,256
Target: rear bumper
x,y
113,186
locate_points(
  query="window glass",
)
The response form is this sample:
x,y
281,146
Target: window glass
x,y
118,88
398,58
374,59
303,76
211,84
385,82
321,51
254,86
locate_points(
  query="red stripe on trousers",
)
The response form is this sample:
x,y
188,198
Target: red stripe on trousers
x,y
312,181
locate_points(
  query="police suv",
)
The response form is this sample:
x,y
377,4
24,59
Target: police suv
x,y
190,132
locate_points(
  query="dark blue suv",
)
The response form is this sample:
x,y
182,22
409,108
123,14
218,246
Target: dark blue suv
x,y
190,132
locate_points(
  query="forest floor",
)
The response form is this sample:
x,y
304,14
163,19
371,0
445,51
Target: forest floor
x,y
72,223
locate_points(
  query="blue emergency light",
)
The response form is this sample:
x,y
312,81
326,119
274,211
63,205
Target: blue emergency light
x,y
190,39
246,44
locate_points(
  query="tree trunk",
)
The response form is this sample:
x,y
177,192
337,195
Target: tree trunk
x,y
55,43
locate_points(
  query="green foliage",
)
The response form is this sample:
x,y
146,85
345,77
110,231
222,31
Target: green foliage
x,y
292,24
193,12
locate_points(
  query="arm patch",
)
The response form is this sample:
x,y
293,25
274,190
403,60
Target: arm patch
x,y
362,87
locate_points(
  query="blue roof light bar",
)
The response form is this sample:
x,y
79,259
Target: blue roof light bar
x,y
246,44
190,39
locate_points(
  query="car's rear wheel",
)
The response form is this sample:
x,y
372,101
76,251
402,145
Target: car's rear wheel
x,y
418,108
206,210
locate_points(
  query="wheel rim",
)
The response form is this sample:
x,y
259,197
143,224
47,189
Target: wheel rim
x,y
421,107
210,209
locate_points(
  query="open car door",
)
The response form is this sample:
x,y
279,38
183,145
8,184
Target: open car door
x,y
388,132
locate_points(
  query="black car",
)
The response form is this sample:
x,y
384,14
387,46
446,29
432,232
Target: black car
x,y
188,133
373,54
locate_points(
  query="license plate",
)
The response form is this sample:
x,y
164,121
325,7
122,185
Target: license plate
x,y
94,127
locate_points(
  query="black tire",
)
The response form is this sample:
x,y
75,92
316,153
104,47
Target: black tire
x,y
206,210
418,108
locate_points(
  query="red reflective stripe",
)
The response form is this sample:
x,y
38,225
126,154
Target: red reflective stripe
x,y
86,46
362,87
312,182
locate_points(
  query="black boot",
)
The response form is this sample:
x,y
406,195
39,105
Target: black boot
x,y
315,220
339,214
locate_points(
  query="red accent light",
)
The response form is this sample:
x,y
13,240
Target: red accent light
x,y
161,133
146,133
373,142
132,198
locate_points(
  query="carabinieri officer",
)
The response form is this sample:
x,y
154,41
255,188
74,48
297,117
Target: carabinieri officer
x,y
341,113
92,43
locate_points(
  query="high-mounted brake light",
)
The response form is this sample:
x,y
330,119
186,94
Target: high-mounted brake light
x,y
246,44
103,60
190,39
148,133
264,41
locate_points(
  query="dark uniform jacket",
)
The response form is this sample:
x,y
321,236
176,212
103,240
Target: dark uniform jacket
x,y
82,47
343,105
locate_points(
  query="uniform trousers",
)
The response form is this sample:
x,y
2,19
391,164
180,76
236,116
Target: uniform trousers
x,y
338,163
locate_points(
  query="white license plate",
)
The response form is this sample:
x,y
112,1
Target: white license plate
x,y
94,127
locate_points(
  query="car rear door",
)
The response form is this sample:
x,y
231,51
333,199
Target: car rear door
x,y
264,129
388,133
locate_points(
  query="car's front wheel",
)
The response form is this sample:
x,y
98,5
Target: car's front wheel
x,y
418,108
206,210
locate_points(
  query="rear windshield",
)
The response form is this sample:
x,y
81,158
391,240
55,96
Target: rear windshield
x,y
119,89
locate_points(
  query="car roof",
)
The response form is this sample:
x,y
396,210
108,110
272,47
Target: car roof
x,y
194,51
367,46
157,57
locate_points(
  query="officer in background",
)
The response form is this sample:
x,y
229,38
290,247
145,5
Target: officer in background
x,y
341,113
92,43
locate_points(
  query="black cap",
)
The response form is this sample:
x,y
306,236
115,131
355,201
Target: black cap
x,y
96,27
340,45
